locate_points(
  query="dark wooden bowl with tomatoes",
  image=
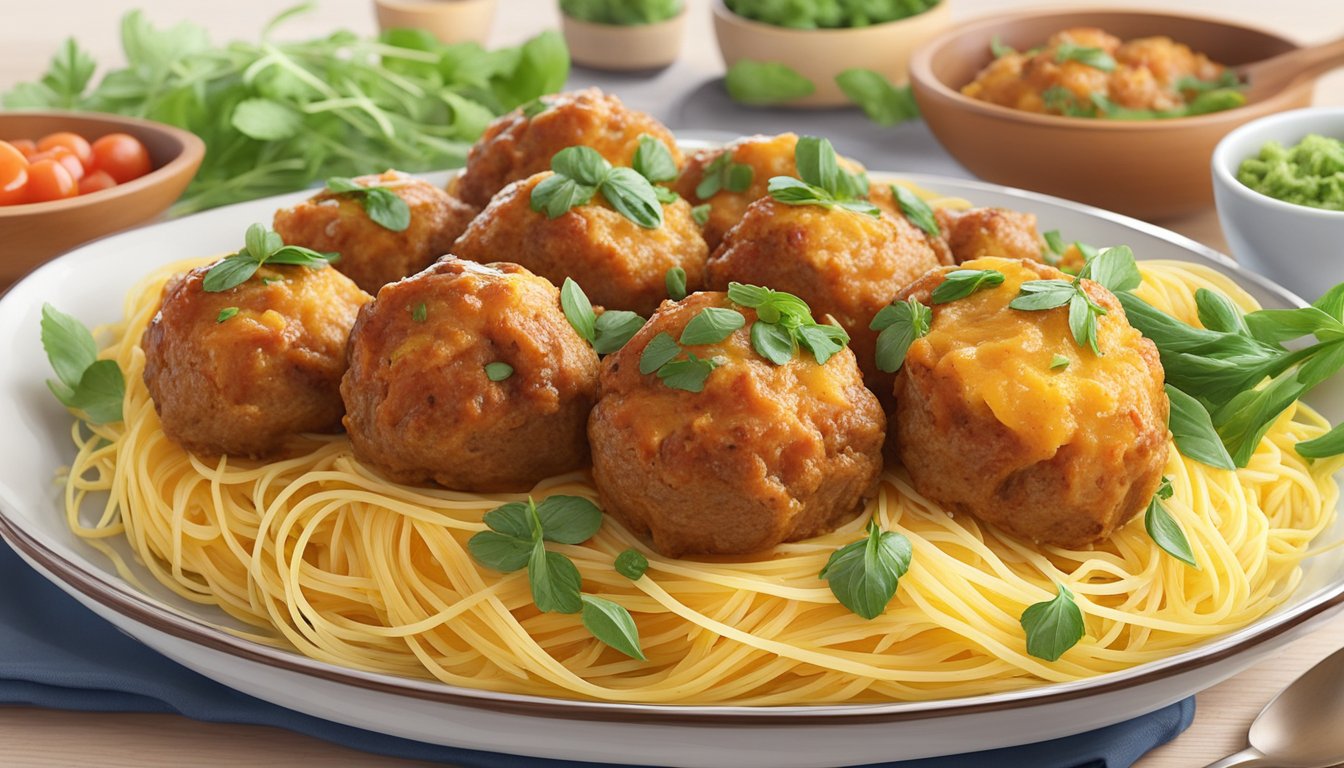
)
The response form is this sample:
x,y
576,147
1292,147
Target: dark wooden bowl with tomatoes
x,y
70,177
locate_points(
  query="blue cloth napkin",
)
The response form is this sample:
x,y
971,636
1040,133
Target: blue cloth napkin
x,y
55,653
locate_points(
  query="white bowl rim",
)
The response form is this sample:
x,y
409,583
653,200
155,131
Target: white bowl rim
x,y
1224,173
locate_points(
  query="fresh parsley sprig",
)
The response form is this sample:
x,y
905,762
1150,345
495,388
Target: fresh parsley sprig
x,y
864,574
723,173
83,382
821,181
1164,530
784,323
260,246
581,172
1053,626
899,324
517,539
607,332
383,206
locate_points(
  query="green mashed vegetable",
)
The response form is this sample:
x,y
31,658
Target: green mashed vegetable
x,y
1310,173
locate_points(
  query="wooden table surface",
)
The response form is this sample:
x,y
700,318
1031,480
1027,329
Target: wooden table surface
x,y
29,34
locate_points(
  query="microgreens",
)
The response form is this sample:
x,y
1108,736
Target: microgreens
x,y
517,539
382,205
83,382
899,323
784,323
821,181
1053,626
607,332
864,574
1163,528
916,210
261,246
580,172
723,173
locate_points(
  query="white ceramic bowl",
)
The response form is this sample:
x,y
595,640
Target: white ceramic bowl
x,y
1300,247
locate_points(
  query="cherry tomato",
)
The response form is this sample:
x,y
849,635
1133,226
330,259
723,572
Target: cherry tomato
x,y
63,156
122,156
27,146
13,175
49,180
77,144
96,182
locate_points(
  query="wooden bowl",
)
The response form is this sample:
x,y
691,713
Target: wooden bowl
x,y
34,233
451,21
1150,169
624,48
821,54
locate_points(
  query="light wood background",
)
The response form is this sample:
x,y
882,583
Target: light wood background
x,y
30,32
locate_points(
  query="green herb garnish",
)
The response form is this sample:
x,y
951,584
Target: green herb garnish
x,y
580,172
623,13
614,328
1053,626
783,323
998,50
821,181
261,246
1086,55
1114,268
516,540
864,575
653,160
632,564
226,313
660,351
498,371
882,102
723,173
711,325
83,382
675,282
419,313
960,283
916,210
383,206
689,374
899,324
1164,530
761,83
578,310
1059,362
700,214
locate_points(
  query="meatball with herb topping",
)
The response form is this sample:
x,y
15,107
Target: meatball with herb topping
x,y
712,448
469,375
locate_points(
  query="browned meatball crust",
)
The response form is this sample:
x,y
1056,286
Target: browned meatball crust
x,y
243,384
844,264
763,455
370,254
980,232
420,405
516,146
986,426
619,264
767,156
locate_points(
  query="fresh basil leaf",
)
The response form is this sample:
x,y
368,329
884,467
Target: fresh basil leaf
x,y
1083,322
512,519
419,313
1055,242
1054,626
738,177
69,346
614,328
295,255
584,165
711,325
568,519
665,195
229,272
1089,56
1218,313
611,623
1115,269
960,283
773,342
1329,444
860,206
714,175
226,313
632,564
753,296
675,281
578,310
864,575
533,108
760,83
791,191
339,185
816,162
688,374
99,393
660,351
633,197
900,324
1039,295
1278,325
1166,533
916,210
824,341
1192,430
1332,303
266,120
1243,421
554,579
500,552
556,194
256,244
882,102
700,214
498,371
653,160
387,209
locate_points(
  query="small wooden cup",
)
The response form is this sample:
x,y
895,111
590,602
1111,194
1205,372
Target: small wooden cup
x,y
625,48
451,21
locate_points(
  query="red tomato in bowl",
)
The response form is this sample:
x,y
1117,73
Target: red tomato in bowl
x,y
122,156
96,182
13,175
49,180
78,146
63,156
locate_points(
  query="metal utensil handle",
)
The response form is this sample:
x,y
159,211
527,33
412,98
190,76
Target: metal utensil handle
x,y
1249,757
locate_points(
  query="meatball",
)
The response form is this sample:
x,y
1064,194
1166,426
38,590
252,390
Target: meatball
x,y
762,455
987,424
371,254
423,406
620,264
766,156
239,371
980,232
844,264
523,142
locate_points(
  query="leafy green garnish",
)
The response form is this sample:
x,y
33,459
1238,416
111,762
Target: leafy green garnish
x,y
960,283
1090,56
882,102
498,371
864,575
383,206
784,323
277,115
580,172
578,310
614,328
998,50
260,246
916,210
689,374
899,323
653,160
632,564
419,313
1164,530
660,351
1114,268
622,13
723,173
821,181
1053,626
761,83
83,382
1059,362
226,313
711,325
828,15
517,539
700,214
1193,432
675,282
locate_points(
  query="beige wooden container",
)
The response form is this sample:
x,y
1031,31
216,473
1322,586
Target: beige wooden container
x,y
451,21
625,48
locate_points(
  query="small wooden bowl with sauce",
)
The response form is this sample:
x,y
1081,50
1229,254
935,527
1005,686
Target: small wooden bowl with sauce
x,y
1151,169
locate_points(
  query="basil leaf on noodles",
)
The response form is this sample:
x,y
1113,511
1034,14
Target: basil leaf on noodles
x,y
1164,530
499,551
1053,626
864,575
568,519
554,579
632,564
611,623
82,383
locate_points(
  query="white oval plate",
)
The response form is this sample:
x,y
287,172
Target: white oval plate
x,y
91,282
